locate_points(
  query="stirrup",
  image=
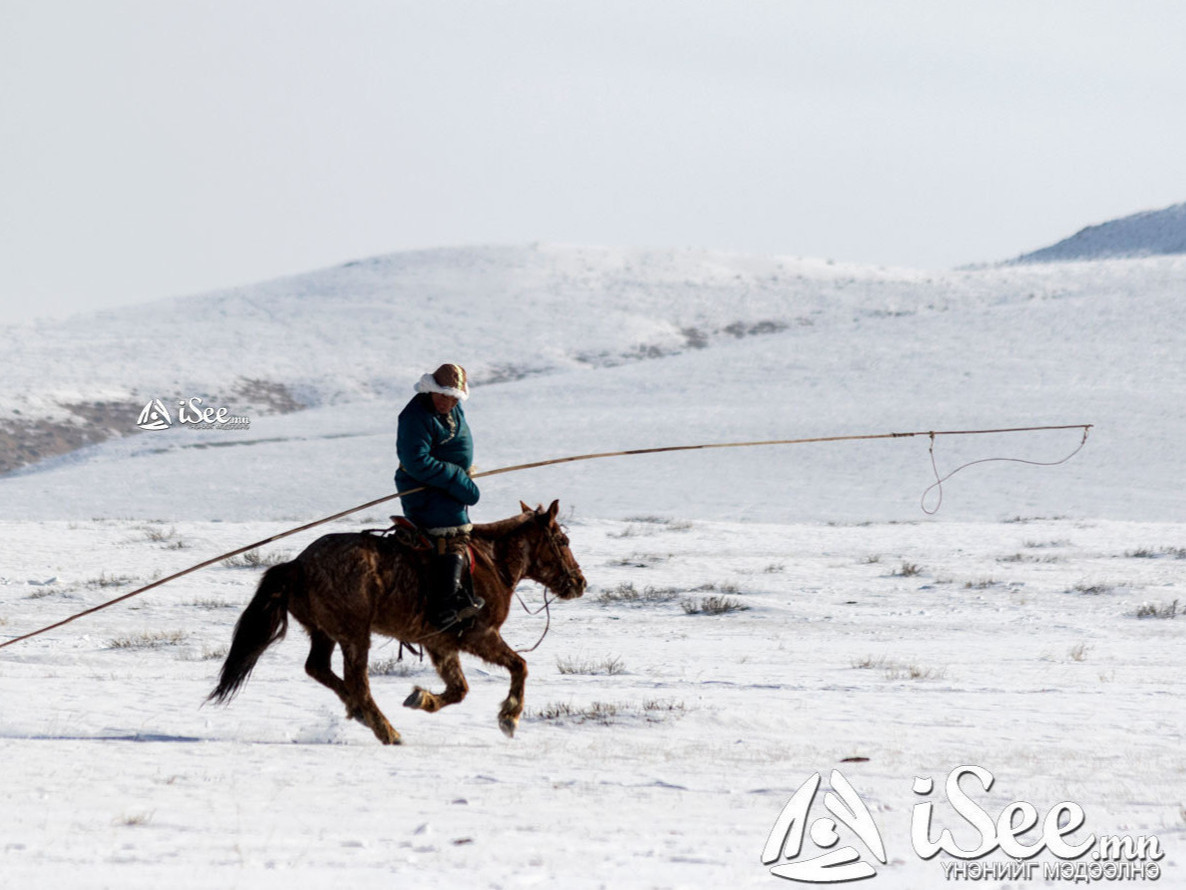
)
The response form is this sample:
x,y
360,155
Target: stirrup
x,y
459,610
470,608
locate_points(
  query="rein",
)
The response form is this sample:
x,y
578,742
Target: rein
x,y
547,609
569,576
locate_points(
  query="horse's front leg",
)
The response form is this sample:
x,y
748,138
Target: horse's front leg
x,y
359,703
491,647
448,666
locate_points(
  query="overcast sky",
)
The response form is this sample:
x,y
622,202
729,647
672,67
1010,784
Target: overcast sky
x,y
156,148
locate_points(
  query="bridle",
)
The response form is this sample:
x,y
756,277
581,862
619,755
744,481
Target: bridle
x,y
572,578
557,540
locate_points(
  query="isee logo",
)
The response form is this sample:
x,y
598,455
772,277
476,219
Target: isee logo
x,y
1022,833
155,416
844,864
1019,831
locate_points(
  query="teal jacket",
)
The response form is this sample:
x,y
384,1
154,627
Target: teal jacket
x,y
433,455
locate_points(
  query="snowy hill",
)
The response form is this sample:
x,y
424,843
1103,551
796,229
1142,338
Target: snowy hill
x,y
1151,233
1023,630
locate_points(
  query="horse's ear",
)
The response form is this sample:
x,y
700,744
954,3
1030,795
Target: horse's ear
x,y
554,509
523,508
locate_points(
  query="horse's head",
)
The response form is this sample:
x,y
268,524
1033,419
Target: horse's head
x,y
552,563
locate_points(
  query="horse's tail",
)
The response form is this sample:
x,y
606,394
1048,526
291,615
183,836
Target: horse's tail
x,y
263,622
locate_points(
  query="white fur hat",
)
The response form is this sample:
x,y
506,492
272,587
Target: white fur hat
x,y
448,380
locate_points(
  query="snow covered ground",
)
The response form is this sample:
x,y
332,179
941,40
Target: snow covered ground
x,y
1024,629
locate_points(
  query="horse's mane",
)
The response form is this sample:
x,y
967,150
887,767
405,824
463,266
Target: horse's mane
x,y
487,535
492,531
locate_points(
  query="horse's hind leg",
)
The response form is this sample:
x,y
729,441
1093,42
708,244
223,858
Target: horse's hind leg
x,y
317,665
491,647
448,666
359,703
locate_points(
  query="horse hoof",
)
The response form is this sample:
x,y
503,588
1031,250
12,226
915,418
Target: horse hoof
x,y
508,726
415,699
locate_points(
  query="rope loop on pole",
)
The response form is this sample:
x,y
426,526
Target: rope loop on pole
x,y
937,485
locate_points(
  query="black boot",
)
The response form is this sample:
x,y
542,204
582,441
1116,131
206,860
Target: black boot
x,y
452,601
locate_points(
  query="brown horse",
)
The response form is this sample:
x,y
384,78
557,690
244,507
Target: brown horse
x,y
343,587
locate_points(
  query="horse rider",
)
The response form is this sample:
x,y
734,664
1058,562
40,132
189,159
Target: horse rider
x,y
436,453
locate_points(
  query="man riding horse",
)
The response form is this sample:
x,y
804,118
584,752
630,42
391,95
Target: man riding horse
x,y
436,453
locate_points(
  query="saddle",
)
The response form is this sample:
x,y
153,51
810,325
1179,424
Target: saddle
x,y
405,535
410,536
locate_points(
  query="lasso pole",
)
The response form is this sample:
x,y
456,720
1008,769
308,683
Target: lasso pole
x,y
529,466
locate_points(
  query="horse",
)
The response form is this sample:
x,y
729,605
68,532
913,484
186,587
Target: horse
x,y
344,587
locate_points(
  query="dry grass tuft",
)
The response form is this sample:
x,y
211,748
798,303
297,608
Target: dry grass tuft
x,y
713,605
254,559
608,666
626,593
1152,610
899,670
148,640
605,713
